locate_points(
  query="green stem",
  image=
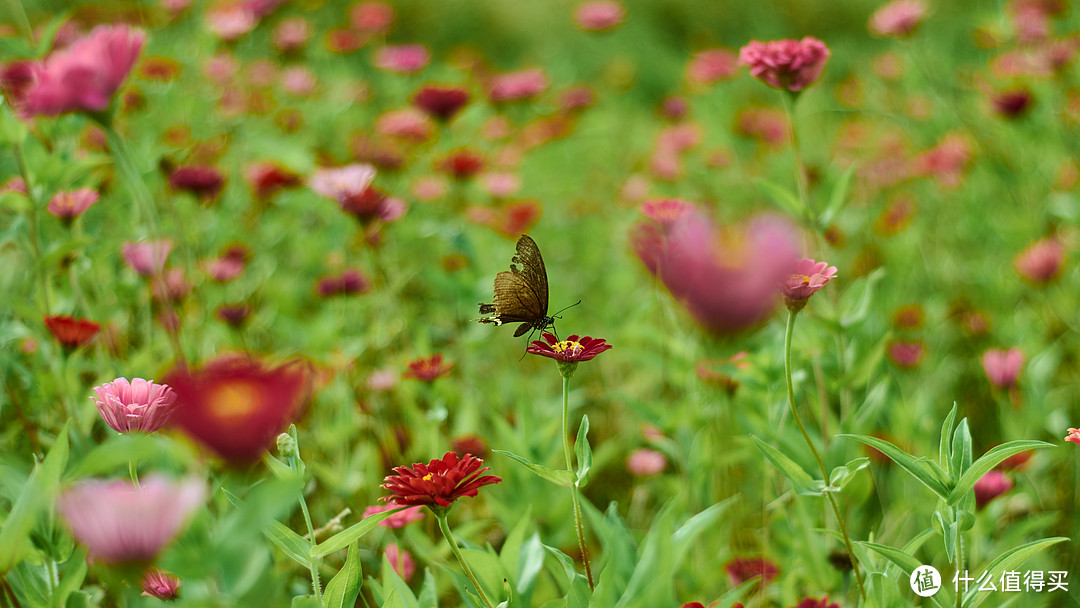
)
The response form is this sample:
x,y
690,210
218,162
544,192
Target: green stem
x,y
449,536
959,565
133,472
800,171
35,242
574,489
817,457
122,156
313,562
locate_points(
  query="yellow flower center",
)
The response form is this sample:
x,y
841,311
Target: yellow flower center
x,y
427,477
568,345
801,278
234,401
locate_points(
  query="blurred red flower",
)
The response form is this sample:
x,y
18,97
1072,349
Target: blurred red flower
x,y
810,602
438,483
462,164
236,406
742,569
441,102
202,181
266,178
428,369
71,332
905,354
1041,262
990,486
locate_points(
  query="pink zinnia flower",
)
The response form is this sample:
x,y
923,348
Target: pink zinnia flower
x,y
147,257
990,486
599,15
403,58
231,20
1073,436
1041,262
372,17
905,354
400,519
946,162
138,405
292,34
405,123
298,80
227,267
84,76
711,66
514,86
400,561
644,462
786,64
121,523
70,204
160,584
804,281
349,282
898,18
1002,366
342,183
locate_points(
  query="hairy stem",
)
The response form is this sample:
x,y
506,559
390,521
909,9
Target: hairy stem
x,y
449,536
574,489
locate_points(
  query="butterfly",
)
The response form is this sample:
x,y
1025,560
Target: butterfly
x,y
521,294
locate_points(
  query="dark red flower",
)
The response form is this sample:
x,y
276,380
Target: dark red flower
x,y
810,602
572,350
1013,103
71,332
428,369
441,102
742,569
234,314
469,444
236,406
204,182
438,483
462,164
990,486
266,178
347,283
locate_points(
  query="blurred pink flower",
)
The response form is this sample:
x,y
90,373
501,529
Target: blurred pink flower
x,y
726,278
400,561
1002,366
514,86
711,66
221,68
804,281
83,76
946,162
405,123
403,58
121,523
500,184
382,380
898,18
429,188
1073,436
667,211
905,354
171,286
139,405
292,34
990,486
231,20
372,17
70,204
644,462
298,80
766,125
1041,262
400,519
576,98
225,268
160,584
786,64
599,15
342,183
147,257
349,282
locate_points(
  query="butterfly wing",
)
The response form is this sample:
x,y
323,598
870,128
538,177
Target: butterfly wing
x,y
521,294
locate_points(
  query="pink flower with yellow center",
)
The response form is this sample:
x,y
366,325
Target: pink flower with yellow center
x,y
804,281
571,350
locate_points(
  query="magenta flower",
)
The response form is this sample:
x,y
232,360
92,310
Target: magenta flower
x,y
70,204
726,279
202,181
573,349
804,281
1073,436
442,102
1002,366
84,76
786,64
515,86
898,19
905,354
599,15
990,486
138,405
160,584
410,124
400,519
742,569
403,58
147,258
1041,262
121,523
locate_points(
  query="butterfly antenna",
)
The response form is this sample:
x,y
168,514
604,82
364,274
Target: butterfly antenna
x,y
556,315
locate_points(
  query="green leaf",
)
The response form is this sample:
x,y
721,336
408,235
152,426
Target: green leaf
x,y
305,601
945,449
560,477
918,468
840,476
837,199
291,543
961,450
784,198
38,490
988,461
804,484
862,292
1009,560
907,564
344,588
684,537
349,535
577,595
583,451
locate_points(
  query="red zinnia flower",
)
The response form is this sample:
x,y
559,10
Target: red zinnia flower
x,y
462,164
441,102
742,569
237,406
428,369
204,182
72,332
572,350
438,483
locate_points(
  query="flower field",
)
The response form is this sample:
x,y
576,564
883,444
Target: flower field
x,y
792,292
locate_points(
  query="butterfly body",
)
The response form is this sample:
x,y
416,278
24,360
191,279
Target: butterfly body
x,y
521,293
